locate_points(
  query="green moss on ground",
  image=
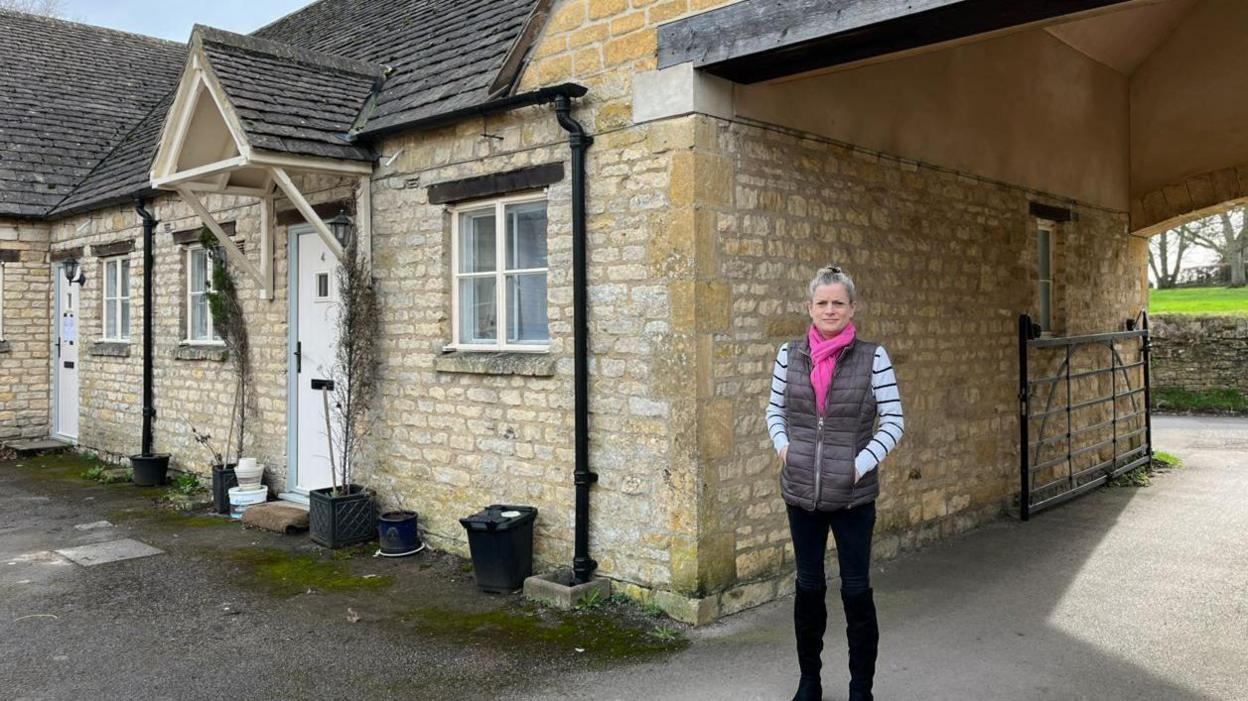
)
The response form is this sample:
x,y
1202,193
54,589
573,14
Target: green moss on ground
x,y
283,573
527,628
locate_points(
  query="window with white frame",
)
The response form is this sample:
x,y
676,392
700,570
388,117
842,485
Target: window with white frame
x,y
117,299
500,275
199,327
1044,268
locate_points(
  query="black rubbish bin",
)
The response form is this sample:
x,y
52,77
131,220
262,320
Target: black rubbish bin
x,y
501,540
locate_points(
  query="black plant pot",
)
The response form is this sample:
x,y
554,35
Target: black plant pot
x,y
223,478
338,521
149,470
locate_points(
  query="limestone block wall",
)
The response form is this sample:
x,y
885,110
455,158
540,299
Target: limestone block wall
x,y
1199,353
194,386
24,333
455,438
944,263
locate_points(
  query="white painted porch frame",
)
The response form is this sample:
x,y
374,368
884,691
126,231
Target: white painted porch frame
x,y
198,81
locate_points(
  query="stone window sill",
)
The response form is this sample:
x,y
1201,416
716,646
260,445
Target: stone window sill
x,y
496,363
110,349
5,347
200,352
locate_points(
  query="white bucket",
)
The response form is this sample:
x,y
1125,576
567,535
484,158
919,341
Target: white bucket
x,y
242,497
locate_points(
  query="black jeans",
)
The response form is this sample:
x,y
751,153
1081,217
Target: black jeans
x,y
852,530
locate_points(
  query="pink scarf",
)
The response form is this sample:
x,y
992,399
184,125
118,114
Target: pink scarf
x,y
823,355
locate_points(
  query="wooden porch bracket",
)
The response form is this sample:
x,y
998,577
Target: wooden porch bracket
x,y
262,275
287,186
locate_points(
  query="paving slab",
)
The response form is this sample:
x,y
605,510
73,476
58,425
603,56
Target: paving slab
x,y
111,551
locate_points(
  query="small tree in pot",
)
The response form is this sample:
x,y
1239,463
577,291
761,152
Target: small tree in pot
x,y
344,513
230,323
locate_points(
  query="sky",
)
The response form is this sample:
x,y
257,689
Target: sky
x,y
173,19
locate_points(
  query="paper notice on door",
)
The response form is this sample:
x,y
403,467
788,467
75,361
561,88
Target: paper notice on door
x,y
69,329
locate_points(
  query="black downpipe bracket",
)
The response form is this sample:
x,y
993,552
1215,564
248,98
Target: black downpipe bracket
x,y
149,306
583,565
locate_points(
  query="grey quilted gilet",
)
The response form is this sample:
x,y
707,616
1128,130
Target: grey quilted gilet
x,y
818,474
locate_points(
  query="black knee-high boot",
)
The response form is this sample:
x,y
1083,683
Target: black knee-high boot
x,y
810,619
863,632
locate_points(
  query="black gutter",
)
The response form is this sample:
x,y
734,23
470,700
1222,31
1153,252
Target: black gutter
x,y
537,97
149,307
583,565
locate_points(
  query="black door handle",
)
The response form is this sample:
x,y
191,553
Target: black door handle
x,y
299,356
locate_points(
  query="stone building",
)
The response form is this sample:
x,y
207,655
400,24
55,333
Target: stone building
x,y
937,149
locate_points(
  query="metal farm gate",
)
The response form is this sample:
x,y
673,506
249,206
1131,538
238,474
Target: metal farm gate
x,y
1083,411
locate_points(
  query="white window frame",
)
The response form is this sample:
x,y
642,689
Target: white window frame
x,y
213,339
123,335
1047,229
500,273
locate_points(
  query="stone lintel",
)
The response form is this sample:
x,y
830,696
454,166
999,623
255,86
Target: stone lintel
x,y
678,90
110,349
200,352
494,184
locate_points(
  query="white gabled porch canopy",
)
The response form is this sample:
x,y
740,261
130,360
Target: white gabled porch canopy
x,y
235,129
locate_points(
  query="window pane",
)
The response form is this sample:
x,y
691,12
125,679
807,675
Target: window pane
x,y
199,318
478,315
110,317
526,309
125,318
125,278
526,236
199,271
1045,257
110,279
476,238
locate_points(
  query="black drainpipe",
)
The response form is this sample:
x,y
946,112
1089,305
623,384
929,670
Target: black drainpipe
x,y
149,307
583,565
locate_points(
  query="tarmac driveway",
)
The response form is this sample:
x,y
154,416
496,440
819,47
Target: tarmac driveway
x,y
1126,593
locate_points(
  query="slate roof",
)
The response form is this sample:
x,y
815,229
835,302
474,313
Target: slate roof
x,y
68,93
82,108
290,99
444,54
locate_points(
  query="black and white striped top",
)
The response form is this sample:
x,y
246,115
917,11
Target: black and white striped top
x,y
888,409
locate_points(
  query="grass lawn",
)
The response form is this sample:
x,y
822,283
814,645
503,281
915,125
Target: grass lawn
x,y
1199,300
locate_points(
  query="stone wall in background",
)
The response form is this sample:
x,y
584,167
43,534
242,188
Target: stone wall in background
x,y
24,333
1198,353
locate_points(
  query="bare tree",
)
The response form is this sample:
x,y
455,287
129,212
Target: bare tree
x,y
1165,256
47,8
1227,234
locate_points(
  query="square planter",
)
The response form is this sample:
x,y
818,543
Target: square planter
x,y
338,521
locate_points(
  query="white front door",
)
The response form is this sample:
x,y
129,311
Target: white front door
x,y
65,371
314,317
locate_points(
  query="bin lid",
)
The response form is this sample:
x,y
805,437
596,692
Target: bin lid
x,y
499,517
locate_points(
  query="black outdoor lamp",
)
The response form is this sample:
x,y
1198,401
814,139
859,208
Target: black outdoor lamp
x,y
73,271
341,226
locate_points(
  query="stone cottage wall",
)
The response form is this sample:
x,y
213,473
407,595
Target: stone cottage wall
x,y
194,385
944,264
1199,353
25,373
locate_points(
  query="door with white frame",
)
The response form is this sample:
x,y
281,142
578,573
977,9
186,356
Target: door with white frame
x,y
65,339
313,337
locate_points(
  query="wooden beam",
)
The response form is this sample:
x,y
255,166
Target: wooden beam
x,y
364,220
266,245
287,186
756,40
310,163
223,238
174,181
495,184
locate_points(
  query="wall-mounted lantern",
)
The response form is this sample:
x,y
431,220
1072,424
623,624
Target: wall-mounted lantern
x,y
73,271
341,227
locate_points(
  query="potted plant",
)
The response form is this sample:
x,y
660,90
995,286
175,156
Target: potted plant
x,y
343,514
230,324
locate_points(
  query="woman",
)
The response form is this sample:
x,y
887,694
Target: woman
x,y
827,391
